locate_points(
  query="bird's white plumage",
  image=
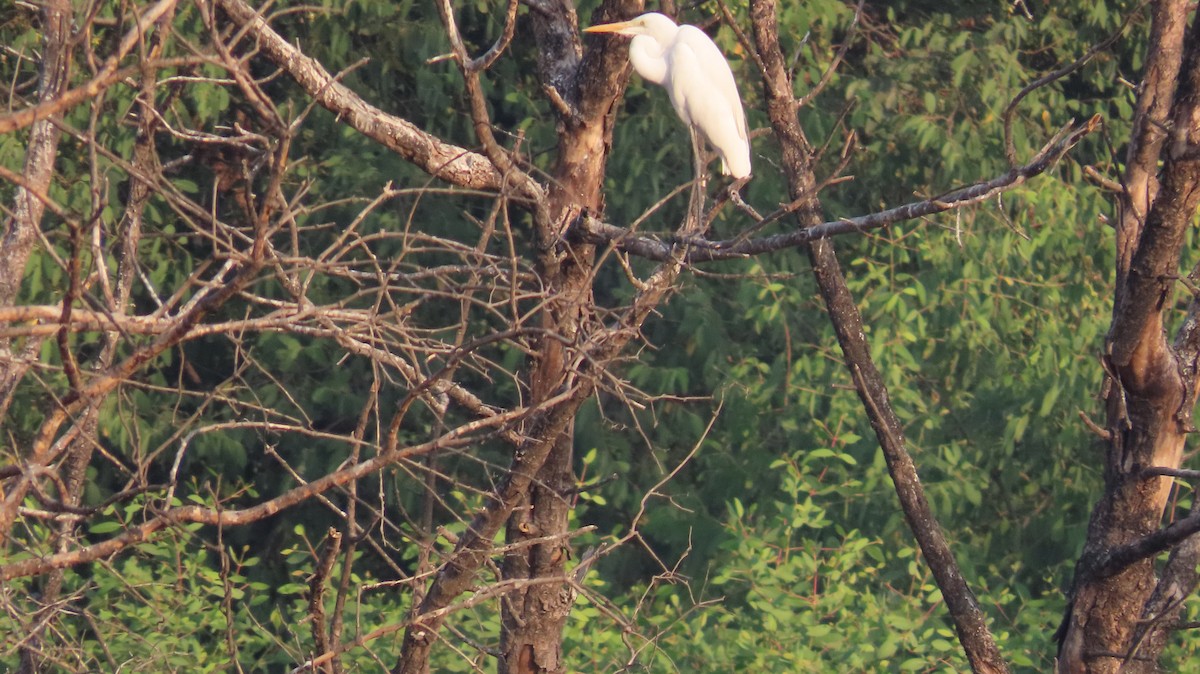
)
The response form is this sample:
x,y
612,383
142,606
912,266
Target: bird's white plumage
x,y
686,62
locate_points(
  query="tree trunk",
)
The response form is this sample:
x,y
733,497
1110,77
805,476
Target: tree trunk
x,y
1120,613
20,233
968,618
532,619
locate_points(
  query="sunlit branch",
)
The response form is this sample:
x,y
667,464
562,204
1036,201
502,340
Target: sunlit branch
x,y
442,160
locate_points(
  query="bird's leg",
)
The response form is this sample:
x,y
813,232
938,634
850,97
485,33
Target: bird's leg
x,y
695,215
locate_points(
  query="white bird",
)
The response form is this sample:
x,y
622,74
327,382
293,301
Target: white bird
x,y
686,62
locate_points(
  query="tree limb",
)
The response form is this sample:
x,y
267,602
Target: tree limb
x,y
444,161
969,620
463,435
703,250
1116,560
108,75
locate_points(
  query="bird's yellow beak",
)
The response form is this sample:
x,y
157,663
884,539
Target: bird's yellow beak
x,y
608,27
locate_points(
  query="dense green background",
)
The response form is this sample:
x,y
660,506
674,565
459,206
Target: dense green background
x,y
785,543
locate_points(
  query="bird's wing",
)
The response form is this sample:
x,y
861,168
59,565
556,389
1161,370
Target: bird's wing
x,y
714,79
706,96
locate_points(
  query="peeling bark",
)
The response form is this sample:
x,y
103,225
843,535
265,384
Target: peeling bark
x,y
1151,385
532,619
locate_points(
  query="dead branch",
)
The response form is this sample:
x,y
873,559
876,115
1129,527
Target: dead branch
x,y
462,436
108,75
970,623
455,165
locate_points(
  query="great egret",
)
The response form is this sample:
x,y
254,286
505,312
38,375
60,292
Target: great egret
x,y
684,61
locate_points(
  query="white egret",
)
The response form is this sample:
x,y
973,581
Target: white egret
x,y
686,62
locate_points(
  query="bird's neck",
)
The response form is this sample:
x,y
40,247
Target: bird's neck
x,y
648,58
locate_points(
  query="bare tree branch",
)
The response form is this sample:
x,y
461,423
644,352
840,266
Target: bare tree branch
x,y
50,107
696,250
455,165
29,199
463,435
970,623
1010,150
1116,560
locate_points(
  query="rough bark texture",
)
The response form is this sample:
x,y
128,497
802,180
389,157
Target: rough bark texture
x,y
532,619
531,498
1151,385
20,230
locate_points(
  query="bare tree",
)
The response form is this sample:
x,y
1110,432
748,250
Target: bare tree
x,y
432,315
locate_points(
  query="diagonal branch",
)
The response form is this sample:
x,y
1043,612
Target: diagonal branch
x,y
441,160
1010,149
109,74
464,435
969,620
499,157
1115,560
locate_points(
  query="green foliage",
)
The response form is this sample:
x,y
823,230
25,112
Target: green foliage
x,y
986,325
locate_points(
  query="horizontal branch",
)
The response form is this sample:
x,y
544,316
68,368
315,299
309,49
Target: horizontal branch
x,y
1122,557
43,320
703,250
1165,471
